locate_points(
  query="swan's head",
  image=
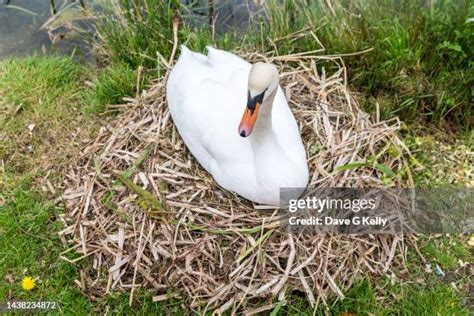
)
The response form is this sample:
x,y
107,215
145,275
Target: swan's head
x,y
263,81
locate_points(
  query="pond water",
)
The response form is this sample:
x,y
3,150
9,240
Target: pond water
x,y
23,31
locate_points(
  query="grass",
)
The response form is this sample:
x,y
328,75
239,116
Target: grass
x,y
30,247
38,108
420,67
110,86
38,80
446,251
405,299
440,158
43,101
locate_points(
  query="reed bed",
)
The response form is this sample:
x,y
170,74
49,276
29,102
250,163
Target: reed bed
x,y
146,215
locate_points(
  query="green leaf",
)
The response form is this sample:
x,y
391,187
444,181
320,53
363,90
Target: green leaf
x,y
148,199
351,166
381,167
277,308
11,6
146,153
257,243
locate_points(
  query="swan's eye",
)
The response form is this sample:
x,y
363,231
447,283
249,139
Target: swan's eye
x,y
259,98
251,102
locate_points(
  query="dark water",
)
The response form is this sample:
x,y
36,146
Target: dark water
x,y
21,23
21,30
224,14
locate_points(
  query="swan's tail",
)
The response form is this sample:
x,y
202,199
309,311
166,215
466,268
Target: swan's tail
x,y
187,52
184,49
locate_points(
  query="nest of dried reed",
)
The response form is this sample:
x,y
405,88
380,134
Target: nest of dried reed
x,y
147,215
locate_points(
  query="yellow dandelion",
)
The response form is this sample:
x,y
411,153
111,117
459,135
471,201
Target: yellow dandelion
x,y
28,283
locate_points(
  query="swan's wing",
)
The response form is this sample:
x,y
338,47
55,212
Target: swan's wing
x,y
287,130
226,60
189,70
186,52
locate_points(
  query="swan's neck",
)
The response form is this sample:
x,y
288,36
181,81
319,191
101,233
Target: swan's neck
x,y
264,141
263,126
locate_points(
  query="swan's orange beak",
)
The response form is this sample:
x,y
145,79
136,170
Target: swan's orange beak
x,y
248,120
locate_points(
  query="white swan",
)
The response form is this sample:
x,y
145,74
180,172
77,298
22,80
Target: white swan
x,y
254,155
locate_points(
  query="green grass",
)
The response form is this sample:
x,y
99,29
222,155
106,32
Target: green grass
x,y
34,86
420,67
110,86
437,299
30,246
446,251
38,80
440,158
42,103
39,102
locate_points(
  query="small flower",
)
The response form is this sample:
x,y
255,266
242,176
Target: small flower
x,y
28,284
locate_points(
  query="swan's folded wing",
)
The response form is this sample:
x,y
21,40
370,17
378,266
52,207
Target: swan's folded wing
x,y
222,59
287,130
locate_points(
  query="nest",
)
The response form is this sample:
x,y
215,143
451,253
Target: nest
x,y
146,214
